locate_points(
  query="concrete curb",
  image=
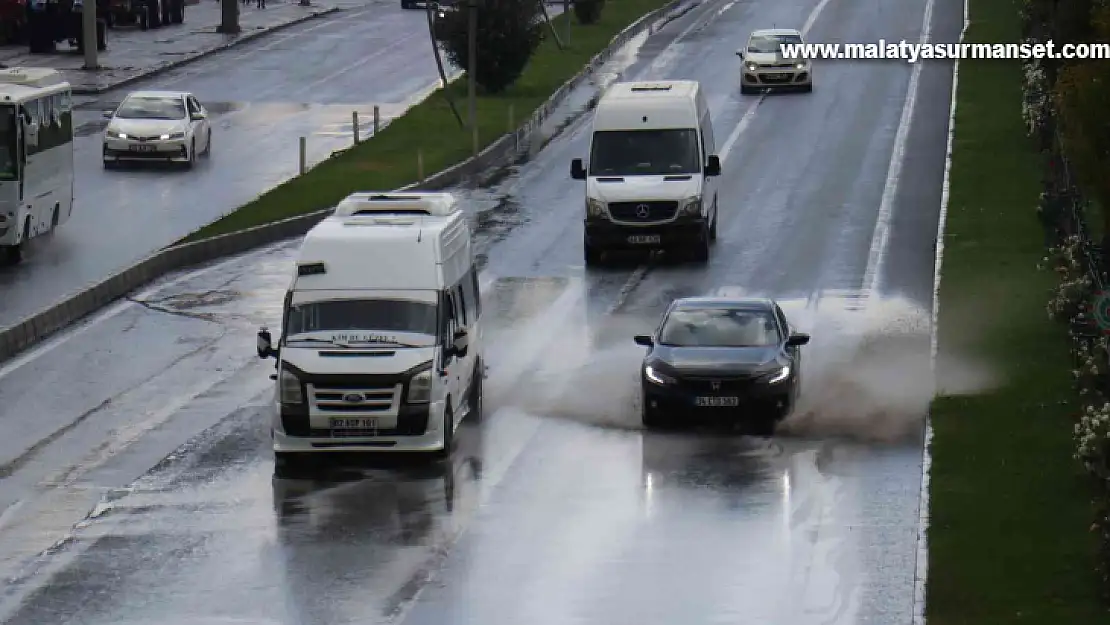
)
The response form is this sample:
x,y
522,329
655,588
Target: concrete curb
x,y
502,153
239,40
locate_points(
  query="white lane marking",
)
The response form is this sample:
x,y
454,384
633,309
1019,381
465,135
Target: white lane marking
x,y
921,572
746,120
880,239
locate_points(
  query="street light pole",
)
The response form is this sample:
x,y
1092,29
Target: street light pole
x,y
88,33
472,75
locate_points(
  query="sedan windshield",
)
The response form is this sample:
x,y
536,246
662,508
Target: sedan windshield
x,y
151,108
769,44
645,152
719,327
377,315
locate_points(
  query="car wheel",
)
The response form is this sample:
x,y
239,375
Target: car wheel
x,y
764,426
110,163
476,389
289,465
192,154
701,249
208,144
405,4
746,90
713,227
808,88
448,436
591,255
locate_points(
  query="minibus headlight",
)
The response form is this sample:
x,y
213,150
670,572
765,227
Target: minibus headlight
x,y
420,388
289,387
595,208
752,67
692,206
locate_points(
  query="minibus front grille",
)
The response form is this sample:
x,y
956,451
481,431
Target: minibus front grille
x,y
643,212
340,399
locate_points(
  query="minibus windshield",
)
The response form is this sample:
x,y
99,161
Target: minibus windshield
x,y
369,315
645,152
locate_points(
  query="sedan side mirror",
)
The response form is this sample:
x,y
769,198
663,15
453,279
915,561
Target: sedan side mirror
x,y
109,114
577,169
740,53
644,340
265,345
713,165
197,116
460,343
797,340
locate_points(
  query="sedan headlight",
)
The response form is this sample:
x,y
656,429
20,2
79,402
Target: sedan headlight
x,y
801,65
692,206
779,376
112,134
290,390
420,388
173,135
595,208
655,376
752,67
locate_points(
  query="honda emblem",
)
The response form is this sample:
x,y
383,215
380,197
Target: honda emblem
x,y
715,385
642,211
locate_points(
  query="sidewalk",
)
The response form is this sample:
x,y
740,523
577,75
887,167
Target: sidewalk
x,y
133,54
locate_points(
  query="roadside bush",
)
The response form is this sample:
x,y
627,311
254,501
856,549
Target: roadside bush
x,y
588,11
509,31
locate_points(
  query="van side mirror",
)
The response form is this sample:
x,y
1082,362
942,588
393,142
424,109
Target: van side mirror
x,y
713,165
797,340
644,340
265,342
740,53
460,343
577,169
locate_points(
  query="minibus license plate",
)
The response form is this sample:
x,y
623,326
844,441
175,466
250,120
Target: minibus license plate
x,y
142,148
354,423
643,239
717,402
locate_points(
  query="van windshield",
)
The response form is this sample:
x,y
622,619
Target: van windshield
x,y
645,152
381,316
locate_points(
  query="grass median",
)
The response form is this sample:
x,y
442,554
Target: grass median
x,y
389,160
1010,509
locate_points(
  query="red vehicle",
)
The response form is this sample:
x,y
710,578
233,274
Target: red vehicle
x,y
13,21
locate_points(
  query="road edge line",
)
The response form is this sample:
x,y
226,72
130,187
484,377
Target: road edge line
x,y
35,328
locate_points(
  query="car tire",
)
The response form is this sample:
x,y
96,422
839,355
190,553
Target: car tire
x,y
448,436
405,4
808,88
764,427
700,252
192,155
591,255
713,226
110,163
208,145
746,90
477,401
289,465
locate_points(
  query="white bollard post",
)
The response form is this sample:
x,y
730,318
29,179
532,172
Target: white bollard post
x,y
304,155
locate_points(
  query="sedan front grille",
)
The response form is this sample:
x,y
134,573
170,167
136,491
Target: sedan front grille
x,y
643,212
723,385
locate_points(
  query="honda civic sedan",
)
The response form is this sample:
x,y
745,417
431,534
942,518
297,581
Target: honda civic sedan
x,y
728,361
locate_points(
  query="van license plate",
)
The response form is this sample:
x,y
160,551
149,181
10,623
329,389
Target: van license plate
x,y
717,402
354,423
643,239
142,148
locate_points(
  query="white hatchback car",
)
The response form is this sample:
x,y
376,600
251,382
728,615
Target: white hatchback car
x,y
766,68
169,126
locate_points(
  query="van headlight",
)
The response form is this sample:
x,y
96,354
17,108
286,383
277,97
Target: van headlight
x,y
595,208
420,388
801,65
290,389
778,376
752,67
692,206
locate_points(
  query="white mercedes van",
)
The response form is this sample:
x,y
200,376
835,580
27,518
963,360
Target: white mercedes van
x,y
651,177
381,339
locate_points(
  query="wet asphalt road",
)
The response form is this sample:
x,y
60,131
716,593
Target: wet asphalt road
x,y
304,81
557,508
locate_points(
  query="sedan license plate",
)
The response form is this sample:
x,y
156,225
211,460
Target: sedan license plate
x,y
142,148
354,423
717,402
644,239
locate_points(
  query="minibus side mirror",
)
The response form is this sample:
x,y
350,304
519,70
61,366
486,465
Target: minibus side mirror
x,y
643,340
265,343
577,169
460,343
713,166
797,340
740,53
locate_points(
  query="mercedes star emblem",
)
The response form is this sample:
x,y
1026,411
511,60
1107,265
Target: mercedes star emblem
x,y
642,211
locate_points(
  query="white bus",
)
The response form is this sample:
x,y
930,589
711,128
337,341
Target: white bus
x,y
36,156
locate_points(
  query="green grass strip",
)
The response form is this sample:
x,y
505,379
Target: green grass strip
x,y
1010,510
389,161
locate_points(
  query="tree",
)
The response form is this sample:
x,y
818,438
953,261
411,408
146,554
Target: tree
x,y
508,33
588,11
1081,93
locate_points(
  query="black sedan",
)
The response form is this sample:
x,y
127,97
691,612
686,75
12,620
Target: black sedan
x,y
733,361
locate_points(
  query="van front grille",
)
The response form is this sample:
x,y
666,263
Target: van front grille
x,y
643,212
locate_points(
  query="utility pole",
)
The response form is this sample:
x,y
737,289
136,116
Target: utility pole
x,y
229,18
88,33
472,75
